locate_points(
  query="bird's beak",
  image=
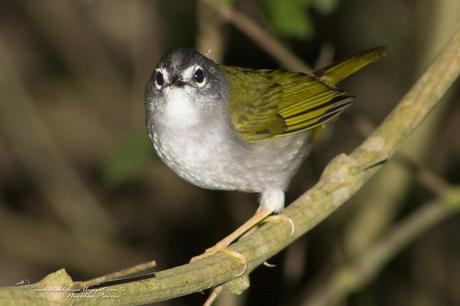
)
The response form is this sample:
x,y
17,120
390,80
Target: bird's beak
x,y
178,82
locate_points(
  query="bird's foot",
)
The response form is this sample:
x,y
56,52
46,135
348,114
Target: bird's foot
x,y
223,245
223,248
281,218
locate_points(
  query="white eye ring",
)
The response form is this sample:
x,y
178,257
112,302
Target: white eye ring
x,y
159,78
199,76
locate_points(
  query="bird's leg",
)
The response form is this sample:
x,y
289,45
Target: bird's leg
x,y
258,217
270,201
261,214
273,200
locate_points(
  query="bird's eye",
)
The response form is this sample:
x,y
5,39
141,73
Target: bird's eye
x,y
198,76
159,80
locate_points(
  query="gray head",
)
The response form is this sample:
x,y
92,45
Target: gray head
x,y
185,84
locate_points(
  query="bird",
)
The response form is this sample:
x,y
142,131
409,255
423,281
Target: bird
x,y
224,127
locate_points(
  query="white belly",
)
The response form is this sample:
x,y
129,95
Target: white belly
x,y
201,160
211,161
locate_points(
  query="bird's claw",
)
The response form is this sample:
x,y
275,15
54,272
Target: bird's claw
x,y
225,250
281,217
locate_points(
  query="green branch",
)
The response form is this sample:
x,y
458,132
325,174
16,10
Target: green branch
x,y
354,274
341,179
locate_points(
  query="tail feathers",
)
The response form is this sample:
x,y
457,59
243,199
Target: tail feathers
x,y
335,73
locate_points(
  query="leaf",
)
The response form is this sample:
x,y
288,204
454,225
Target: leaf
x,y
289,17
326,6
292,17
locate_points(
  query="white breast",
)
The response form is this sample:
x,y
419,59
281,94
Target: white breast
x,y
200,158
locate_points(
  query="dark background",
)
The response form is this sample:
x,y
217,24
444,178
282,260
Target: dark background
x,y
81,187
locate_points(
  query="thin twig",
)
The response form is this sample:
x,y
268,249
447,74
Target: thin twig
x,y
210,38
213,296
263,38
116,275
325,57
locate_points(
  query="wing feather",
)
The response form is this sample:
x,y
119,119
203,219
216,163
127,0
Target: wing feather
x,y
275,103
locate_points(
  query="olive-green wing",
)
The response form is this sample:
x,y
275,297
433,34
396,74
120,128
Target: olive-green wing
x,y
275,103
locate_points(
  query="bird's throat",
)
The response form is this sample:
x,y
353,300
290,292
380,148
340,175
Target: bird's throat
x,y
179,109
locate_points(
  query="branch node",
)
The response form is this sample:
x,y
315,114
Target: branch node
x,y
53,287
339,168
